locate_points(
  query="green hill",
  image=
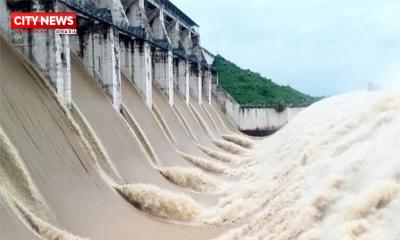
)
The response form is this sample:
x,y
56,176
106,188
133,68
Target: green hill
x,y
249,88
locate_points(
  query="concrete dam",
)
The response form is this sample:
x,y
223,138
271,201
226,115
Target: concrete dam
x,y
117,132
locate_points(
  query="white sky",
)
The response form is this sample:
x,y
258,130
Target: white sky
x,y
319,47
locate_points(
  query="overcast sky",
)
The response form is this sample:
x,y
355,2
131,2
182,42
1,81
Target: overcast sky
x,y
319,47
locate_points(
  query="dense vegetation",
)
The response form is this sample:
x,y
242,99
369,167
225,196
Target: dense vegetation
x,y
249,88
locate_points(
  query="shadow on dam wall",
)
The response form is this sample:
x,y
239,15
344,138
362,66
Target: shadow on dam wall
x,y
259,132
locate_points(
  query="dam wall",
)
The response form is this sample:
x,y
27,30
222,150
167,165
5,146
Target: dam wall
x,y
252,120
152,42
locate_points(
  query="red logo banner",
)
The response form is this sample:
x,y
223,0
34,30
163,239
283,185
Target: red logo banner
x,y
43,20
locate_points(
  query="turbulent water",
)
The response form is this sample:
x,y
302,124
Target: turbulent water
x,y
161,203
333,172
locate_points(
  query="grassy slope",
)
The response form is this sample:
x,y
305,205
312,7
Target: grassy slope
x,y
249,88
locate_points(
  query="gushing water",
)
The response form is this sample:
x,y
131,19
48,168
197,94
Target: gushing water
x,y
208,165
191,178
18,188
332,173
239,140
229,146
161,203
219,155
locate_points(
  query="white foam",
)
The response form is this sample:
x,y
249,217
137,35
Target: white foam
x,y
221,156
45,229
16,180
229,146
191,178
332,173
240,140
208,165
161,203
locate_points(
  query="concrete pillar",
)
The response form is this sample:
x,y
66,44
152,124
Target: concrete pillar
x,y
158,27
22,41
195,82
136,15
181,66
173,33
126,48
142,73
116,8
41,41
162,59
163,74
47,50
59,67
101,57
207,84
75,45
214,83
4,17
111,72
200,87
122,53
51,52
182,78
187,41
142,69
19,39
210,88
129,60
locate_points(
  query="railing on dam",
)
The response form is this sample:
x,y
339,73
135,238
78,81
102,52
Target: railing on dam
x,y
104,15
179,52
131,30
175,11
89,9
